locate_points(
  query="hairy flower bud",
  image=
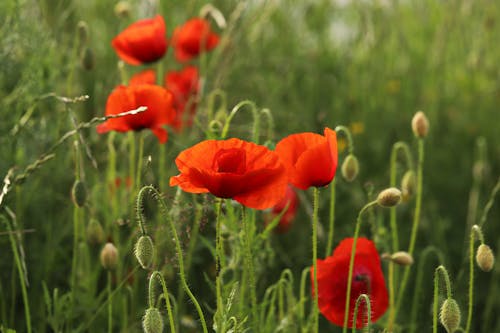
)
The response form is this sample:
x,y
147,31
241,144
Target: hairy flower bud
x,y
420,125
109,256
350,168
79,193
144,251
402,258
122,9
389,197
87,59
408,185
152,321
485,258
450,315
95,232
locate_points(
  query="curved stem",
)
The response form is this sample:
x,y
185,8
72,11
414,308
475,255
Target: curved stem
x,y
347,133
366,299
270,123
475,230
303,279
351,264
211,102
238,107
315,257
151,297
446,278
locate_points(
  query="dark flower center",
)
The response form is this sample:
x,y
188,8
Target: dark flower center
x,y
230,161
364,279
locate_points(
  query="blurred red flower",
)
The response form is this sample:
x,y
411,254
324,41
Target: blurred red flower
x,y
244,171
184,85
144,41
367,279
145,77
310,158
192,38
286,219
157,99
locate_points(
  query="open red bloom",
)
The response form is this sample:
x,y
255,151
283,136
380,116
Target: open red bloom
x,y
157,99
184,85
310,158
244,171
290,202
192,38
142,42
367,278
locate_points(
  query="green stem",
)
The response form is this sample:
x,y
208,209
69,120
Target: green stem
x,y
347,133
331,220
315,257
137,179
110,305
151,300
111,175
475,230
416,219
162,167
351,264
218,266
13,245
131,163
366,299
256,117
391,297
251,271
446,278
303,280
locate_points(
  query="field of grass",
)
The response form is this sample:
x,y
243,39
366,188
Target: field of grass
x,y
281,67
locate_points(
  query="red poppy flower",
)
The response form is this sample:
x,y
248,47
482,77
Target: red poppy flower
x,y
142,42
367,278
244,171
184,85
157,99
145,77
310,159
290,199
192,38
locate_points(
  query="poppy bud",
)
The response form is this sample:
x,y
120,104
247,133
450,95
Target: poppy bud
x,y
122,9
152,321
83,32
144,251
350,168
450,315
95,233
402,258
389,197
408,185
79,193
109,256
420,125
485,258
87,59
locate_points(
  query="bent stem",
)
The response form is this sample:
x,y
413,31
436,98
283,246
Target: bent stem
x,y
351,263
366,299
256,119
440,269
315,257
151,297
475,230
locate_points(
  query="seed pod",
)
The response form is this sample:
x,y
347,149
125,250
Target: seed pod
x,y
87,59
402,258
485,258
152,321
144,251
109,256
420,125
389,197
95,233
450,315
79,193
408,185
350,168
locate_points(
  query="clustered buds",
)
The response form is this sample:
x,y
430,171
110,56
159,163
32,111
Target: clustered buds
x,y
450,315
420,125
144,251
389,197
485,258
350,168
109,256
152,321
79,193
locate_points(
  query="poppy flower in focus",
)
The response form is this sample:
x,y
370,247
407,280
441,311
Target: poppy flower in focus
x,y
158,101
244,171
290,201
192,38
184,85
367,278
142,42
145,77
310,158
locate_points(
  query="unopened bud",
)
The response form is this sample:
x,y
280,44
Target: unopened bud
x,y
402,258
122,9
79,193
420,125
408,185
144,251
350,168
152,321
485,258
389,197
450,315
83,32
109,256
95,233
87,59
